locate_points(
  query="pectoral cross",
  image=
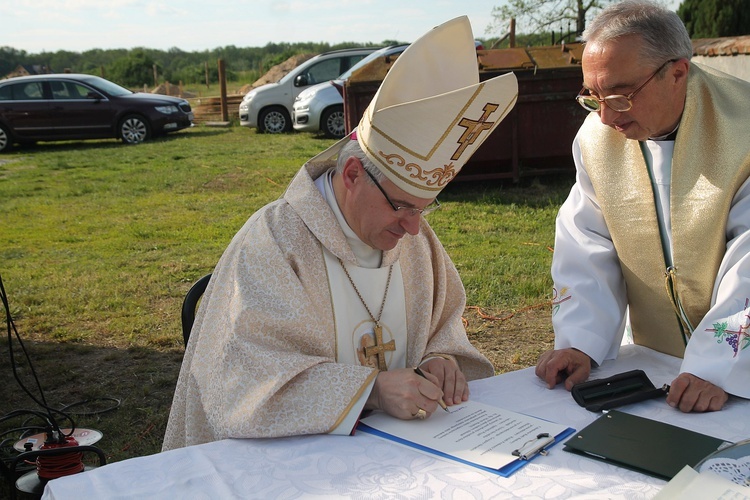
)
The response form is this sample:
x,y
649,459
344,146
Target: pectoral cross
x,y
474,128
379,348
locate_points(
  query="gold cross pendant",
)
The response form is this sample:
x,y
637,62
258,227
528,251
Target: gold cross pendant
x,y
379,348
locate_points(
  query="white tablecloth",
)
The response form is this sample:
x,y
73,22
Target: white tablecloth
x,y
365,466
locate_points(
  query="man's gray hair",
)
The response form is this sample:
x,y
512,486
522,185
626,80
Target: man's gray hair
x,y
352,148
662,31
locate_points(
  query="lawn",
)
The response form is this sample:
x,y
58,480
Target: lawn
x,y
101,241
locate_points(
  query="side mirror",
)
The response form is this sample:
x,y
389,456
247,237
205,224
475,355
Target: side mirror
x,y
301,81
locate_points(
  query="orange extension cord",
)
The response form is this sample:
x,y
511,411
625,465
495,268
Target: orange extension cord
x,y
51,467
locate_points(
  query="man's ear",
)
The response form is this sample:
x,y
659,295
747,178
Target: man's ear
x,y
352,169
679,70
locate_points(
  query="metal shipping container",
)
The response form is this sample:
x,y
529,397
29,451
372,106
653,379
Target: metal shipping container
x,y
536,137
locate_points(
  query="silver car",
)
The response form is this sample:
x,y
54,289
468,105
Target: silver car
x,y
321,107
269,107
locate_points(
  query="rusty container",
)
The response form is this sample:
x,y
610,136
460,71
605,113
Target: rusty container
x,y
536,137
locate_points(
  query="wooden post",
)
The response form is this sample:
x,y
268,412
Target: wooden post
x,y
512,32
223,87
206,65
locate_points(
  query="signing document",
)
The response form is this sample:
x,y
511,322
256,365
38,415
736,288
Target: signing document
x,y
484,436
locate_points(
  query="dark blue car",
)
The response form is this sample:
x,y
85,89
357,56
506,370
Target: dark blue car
x,y
59,107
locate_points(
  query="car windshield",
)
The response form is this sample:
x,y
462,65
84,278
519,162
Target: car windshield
x,y
106,86
386,51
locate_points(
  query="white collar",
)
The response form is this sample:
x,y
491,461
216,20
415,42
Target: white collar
x,y
366,255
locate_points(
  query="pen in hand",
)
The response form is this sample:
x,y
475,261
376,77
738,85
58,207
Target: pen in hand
x,y
440,401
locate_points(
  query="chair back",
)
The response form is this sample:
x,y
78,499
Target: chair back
x,y
190,305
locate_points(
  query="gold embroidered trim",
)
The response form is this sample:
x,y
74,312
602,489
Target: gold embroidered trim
x,y
442,175
670,282
450,127
356,397
437,355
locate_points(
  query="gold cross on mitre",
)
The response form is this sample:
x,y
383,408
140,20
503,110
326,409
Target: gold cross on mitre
x,y
379,348
474,129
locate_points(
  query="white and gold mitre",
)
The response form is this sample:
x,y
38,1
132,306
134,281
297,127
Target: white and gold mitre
x,y
431,114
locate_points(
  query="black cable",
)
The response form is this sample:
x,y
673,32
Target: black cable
x,y
114,404
29,426
11,327
36,423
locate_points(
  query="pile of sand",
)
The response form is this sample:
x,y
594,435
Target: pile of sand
x,y
277,72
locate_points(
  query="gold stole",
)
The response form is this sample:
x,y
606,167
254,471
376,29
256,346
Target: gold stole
x,y
711,161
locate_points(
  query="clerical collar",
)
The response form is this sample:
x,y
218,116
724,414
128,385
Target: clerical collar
x,y
669,137
366,255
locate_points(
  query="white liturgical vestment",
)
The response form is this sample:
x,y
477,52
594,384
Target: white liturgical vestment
x,y
590,300
262,360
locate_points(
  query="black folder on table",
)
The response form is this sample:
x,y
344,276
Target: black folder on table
x,y
641,444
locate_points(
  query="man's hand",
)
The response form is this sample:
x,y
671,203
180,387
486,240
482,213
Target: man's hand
x,y
569,365
402,393
449,378
692,394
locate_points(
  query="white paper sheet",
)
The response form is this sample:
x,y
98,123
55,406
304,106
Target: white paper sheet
x,y
689,484
473,432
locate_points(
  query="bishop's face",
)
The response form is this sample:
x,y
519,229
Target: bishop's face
x,y
615,67
370,213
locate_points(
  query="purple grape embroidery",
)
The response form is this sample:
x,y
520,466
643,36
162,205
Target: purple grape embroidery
x,y
733,337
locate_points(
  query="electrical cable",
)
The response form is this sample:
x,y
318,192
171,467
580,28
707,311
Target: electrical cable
x,y
54,426
54,466
56,462
48,466
114,404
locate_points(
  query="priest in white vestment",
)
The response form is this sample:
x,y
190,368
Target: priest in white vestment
x,y
327,299
654,237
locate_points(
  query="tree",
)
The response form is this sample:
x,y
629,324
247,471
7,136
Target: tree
x,y
715,18
136,69
545,16
10,59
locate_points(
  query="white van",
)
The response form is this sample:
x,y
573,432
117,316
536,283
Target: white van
x,y
269,107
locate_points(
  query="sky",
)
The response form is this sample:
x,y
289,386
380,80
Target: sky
x,y
79,25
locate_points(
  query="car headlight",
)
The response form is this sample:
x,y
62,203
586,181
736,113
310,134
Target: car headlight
x,y
306,96
249,96
167,110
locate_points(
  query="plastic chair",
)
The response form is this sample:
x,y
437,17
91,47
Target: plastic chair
x,y
190,305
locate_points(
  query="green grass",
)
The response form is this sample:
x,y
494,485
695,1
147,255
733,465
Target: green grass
x,y
101,241
500,237
125,230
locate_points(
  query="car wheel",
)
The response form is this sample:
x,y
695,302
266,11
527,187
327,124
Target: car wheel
x,y
332,122
134,129
5,140
274,120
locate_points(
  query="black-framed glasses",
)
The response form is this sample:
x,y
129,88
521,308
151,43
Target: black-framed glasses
x,y
404,210
616,102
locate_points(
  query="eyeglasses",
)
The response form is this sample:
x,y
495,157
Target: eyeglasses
x,y
617,102
404,210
